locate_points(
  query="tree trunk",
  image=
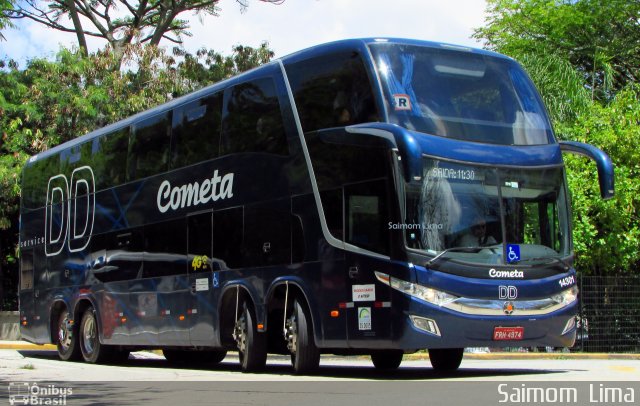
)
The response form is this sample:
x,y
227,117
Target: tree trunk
x,y
82,41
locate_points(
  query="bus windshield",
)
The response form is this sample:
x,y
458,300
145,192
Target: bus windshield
x,y
460,95
495,212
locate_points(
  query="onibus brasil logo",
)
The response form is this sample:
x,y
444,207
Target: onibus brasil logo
x,y
25,393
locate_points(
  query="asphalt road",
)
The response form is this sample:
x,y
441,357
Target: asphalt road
x,y
146,378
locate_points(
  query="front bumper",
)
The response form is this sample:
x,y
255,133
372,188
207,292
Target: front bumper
x,y
459,330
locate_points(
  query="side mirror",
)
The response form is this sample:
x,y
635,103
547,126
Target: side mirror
x,y
603,164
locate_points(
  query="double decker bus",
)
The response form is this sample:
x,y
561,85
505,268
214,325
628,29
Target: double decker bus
x,y
370,196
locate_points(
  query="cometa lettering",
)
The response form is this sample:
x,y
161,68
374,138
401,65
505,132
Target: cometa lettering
x,y
194,194
493,273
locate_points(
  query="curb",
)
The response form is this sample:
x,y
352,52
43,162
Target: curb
x,y
17,345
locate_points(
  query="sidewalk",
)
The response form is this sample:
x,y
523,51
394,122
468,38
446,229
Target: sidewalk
x,y
26,346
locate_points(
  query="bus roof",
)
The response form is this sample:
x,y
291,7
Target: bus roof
x,y
315,51
350,44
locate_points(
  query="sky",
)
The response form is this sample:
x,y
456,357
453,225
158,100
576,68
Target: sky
x,y
289,27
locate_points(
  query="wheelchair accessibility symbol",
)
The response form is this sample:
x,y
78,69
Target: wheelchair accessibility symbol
x,y
513,253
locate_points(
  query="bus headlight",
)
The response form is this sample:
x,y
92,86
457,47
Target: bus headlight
x,y
430,295
566,297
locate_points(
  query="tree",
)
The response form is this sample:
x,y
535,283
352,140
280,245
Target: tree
x,y
119,22
607,234
5,5
599,38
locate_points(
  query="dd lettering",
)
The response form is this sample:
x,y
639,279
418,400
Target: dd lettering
x,y
507,292
70,212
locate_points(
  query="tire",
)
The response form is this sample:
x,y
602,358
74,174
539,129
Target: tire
x,y
194,357
252,345
387,359
67,339
445,359
89,339
305,356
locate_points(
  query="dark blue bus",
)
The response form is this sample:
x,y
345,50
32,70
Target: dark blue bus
x,y
374,196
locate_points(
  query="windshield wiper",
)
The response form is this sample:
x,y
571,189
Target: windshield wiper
x,y
470,250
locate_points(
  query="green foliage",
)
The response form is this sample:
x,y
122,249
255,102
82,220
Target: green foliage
x,y
607,234
584,57
208,66
599,38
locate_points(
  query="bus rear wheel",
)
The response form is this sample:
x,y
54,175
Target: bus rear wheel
x,y
305,356
252,345
445,359
67,338
89,339
387,359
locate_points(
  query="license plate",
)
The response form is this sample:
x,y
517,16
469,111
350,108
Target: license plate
x,y
508,333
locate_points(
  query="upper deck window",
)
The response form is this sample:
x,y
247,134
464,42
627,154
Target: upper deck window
x,y
252,119
196,131
461,95
149,147
332,91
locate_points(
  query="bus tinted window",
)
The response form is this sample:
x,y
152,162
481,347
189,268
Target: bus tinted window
x,y
165,248
75,157
199,241
149,147
252,119
109,158
461,95
267,234
351,180
196,131
35,181
332,91
367,222
228,237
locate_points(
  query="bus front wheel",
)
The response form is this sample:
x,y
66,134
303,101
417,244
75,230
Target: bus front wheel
x,y
305,356
252,345
445,359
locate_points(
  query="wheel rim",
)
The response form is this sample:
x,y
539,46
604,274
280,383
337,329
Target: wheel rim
x,y
89,335
292,334
241,334
64,335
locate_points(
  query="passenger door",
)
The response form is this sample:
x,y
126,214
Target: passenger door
x,y
366,228
202,312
